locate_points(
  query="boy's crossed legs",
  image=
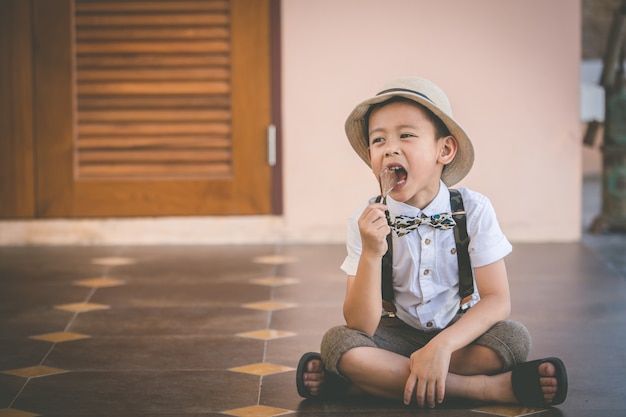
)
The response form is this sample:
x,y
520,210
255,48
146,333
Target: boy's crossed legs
x,y
384,374
480,371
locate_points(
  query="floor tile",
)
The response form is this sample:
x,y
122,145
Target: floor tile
x,y
26,297
217,320
269,305
81,307
12,412
288,351
195,264
300,319
154,353
99,282
279,390
11,387
257,411
275,259
509,410
34,371
266,334
175,295
139,393
370,406
275,281
315,289
261,369
29,321
49,265
21,352
59,337
113,261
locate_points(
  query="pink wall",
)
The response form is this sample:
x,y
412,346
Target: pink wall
x,y
510,69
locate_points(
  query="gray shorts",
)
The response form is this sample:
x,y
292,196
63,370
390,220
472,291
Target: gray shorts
x,y
509,339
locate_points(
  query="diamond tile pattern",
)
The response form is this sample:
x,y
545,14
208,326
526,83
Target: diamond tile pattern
x,y
81,307
275,259
262,369
257,411
113,261
59,337
99,282
266,334
509,410
269,305
12,412
275,281
34,371
196,330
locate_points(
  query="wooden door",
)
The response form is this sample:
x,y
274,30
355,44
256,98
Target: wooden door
x,y
17,185
148,108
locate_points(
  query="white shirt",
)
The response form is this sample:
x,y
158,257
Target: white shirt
x,y
425,269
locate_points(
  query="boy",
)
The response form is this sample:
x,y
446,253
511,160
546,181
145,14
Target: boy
x,y
431,344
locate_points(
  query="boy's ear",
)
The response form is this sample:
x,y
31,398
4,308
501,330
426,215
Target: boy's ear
x,y
448,149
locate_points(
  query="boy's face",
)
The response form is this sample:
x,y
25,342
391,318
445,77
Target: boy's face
x,y
402,136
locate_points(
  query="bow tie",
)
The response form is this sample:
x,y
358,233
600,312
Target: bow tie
x,y
405,224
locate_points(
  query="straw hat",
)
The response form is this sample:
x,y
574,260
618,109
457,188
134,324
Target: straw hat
x,y
433,98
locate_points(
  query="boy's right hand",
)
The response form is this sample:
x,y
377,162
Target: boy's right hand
x,y
374,230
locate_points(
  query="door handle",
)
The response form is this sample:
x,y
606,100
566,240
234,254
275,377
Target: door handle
x,y
271,145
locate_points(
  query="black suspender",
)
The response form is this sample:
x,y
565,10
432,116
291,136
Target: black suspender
x,y
387,280
461,238
387,272
466,278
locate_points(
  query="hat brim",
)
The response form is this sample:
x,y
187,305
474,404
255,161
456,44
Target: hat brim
x,y
452,173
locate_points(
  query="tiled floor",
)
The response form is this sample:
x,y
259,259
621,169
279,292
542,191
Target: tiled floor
x,y
209,331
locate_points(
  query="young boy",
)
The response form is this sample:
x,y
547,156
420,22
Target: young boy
x,y
430,344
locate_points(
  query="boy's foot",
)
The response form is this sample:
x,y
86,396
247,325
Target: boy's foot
x,y
310,375
540,383
313,381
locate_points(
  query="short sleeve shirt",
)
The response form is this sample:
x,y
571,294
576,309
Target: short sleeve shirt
x,y
425,269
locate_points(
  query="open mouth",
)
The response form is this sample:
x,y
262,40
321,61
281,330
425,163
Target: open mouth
x,y
400,173
390,178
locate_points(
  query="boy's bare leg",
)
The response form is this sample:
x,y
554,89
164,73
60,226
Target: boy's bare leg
x,y
384,374
498,388
475,360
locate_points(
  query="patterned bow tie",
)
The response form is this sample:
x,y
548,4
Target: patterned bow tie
x,y
406,224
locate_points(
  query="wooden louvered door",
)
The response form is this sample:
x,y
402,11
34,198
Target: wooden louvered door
x,y
146,107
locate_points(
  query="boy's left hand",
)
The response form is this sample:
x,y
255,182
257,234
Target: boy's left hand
x,y
429,369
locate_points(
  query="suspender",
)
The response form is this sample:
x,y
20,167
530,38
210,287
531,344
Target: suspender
x,y
461,238
466,278
387,272
387,280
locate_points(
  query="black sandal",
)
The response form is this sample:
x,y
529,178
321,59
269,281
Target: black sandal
x,y
527,387
333,387
303,391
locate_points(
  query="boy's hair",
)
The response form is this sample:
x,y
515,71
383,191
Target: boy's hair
x,y
441,130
